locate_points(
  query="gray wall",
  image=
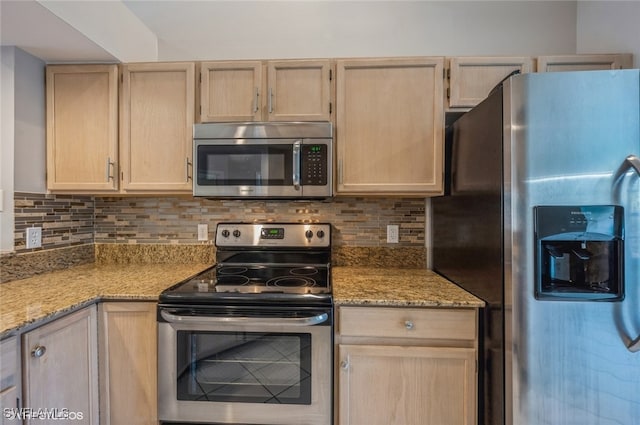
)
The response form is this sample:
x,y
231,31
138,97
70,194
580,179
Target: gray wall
x,y
29,127
264,30
609,26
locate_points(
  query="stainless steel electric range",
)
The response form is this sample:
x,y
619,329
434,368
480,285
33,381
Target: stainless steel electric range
x,y
249,341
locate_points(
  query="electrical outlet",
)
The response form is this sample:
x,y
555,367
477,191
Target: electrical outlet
x,y
203,232
393,233
34,237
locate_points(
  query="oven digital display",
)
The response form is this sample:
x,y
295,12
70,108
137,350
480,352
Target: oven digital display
x,y
272,233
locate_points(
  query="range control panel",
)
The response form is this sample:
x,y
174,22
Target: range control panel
x,y
284,235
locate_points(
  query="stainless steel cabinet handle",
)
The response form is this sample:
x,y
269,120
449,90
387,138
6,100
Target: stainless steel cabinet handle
x,y
270,99
38,351
187,163
255,101
259,321
408,324
109,176
296,164
344,365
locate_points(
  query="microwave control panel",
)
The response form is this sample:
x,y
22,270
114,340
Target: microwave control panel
x,y
314,168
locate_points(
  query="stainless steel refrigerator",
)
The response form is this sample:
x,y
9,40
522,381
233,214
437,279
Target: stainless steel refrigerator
x,y
541,219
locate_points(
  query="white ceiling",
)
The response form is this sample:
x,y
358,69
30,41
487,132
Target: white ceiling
x,y
77,31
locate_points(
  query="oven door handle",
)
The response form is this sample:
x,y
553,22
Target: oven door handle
x,y
283,321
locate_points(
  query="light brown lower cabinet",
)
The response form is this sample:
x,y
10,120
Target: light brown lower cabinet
x,y
10,380
128,363
406,366
60,370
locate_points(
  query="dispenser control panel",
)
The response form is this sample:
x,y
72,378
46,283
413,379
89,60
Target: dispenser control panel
x,y
579,252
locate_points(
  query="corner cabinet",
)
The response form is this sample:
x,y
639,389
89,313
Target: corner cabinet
x,y
472,78
409,366
82,127
584,62
287,90
389,126
60,364
156,127
128,363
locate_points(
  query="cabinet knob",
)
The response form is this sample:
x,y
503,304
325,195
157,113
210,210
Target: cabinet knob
x,y
344,365
408,324
38,351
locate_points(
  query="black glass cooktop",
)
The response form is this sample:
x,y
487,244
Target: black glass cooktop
x,y
253,283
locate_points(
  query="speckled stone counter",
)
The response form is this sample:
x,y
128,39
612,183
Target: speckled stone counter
x,y
397,287
28,302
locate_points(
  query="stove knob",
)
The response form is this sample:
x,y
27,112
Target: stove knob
x,y
225,233
308,234
236,233
320,233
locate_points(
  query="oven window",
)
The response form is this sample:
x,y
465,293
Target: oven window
x,y
245,165
249,367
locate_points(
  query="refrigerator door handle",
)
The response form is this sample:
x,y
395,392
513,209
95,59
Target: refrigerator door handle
x,y
634,346
630,162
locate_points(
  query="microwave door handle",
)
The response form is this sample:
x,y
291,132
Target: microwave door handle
x,y
296,164
251,321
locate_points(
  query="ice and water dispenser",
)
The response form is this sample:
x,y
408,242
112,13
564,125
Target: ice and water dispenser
x,y
579,252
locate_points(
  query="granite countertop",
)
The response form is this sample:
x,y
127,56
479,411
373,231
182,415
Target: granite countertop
x,y
397,288
27,302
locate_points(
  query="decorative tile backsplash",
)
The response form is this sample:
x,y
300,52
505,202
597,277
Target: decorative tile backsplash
x,y
66,220
356,221
79,229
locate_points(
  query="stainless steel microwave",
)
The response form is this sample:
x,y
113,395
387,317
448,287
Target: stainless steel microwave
x,y
263,160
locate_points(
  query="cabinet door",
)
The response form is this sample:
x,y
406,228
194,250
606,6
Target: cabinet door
x,y
60,367
10,378
128,363
583,62
383,385
82,127
472,78
156,127
9,406
299,90
230,91
389,126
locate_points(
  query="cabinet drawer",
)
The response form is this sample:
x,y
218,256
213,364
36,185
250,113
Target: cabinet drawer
x,y
9,363
428,323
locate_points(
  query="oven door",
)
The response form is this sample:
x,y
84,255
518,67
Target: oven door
x,y
237,366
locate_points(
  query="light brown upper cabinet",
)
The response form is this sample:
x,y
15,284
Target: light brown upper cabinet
x,y
584,62
389,126
287,90
157,104
472,78
82,128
